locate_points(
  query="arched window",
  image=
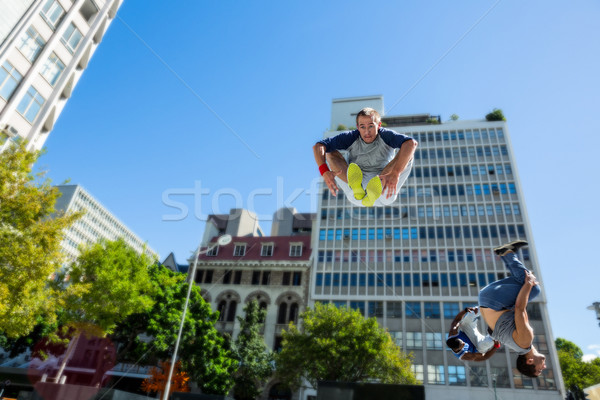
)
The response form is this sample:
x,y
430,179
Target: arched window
x,y
231,311
221,309
293,316
282,316
263,306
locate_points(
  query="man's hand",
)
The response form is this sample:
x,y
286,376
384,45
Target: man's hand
x,y
531,280
329,178
389,181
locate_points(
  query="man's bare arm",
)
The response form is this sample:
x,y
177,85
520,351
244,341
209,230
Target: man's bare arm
x,y
329,176
523,334
454,325
478,356
391,173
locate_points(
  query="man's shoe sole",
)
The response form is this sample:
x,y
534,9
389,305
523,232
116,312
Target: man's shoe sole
x,y
374,190
355,177
512,246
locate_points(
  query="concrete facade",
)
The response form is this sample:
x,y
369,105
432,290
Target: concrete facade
x,y
45,45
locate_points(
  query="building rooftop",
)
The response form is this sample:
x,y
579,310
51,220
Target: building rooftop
x,y
254,245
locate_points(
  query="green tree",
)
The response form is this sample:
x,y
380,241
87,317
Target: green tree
x,y
108,282
342,127
576,373
30,237
454,117
251,352
203,351
495,115
339,344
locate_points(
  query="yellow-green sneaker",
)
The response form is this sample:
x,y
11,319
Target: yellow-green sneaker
x,y
374,190
355,177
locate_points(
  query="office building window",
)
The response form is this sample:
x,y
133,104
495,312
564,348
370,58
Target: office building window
x,y
418,371
451,309
414,340
394,309
52,11
413,309
31,104
375,309
433,340
9,79
546,380
456,375
500,375
435,375
522,381
31,43
432,310
319,279
71,38
358,305
478,376
397,337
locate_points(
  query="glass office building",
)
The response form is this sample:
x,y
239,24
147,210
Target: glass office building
x,y
415,264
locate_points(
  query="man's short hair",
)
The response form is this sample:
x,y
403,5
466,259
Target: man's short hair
x,y
453,343
369,112
524,368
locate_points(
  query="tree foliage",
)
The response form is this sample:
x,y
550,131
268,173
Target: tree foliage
x,y
339,344
30,239
203,351
576,373
253,357
495,115
108,282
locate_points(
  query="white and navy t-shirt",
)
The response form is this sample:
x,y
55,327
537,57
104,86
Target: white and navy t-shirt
x,y
370,157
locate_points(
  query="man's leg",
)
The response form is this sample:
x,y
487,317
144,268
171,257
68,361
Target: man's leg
x,y
502,294
383,200
347,192
337,163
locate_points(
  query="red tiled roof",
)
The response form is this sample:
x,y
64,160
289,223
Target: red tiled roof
x,y
281,249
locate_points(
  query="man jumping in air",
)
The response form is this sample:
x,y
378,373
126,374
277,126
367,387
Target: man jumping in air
x,y
465,340
503,305
375,166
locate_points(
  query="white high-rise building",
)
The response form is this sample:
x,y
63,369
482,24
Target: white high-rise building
x,y
45,45
97,223
415,264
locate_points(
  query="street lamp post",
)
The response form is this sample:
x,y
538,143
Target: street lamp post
x,y
222,241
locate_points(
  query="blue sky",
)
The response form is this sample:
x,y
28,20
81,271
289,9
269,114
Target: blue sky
x,y
225,99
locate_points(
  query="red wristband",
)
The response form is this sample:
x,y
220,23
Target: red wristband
x,y
497,345
323,168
